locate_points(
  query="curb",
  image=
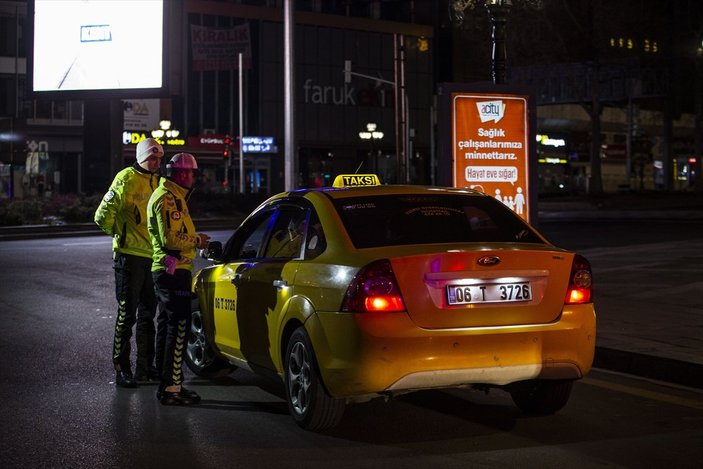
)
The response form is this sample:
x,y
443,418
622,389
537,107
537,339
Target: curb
x,y
14,233
648,366
620,215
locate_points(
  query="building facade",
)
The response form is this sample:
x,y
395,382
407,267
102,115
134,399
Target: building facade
x,y
351,60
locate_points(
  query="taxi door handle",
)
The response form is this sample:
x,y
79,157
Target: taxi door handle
x,y
280,283
236,279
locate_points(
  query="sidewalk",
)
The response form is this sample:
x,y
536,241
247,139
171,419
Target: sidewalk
x,y
663,347
633,336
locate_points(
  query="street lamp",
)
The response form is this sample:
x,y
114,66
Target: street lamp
x,y
402,108
371,134
498,11
165,130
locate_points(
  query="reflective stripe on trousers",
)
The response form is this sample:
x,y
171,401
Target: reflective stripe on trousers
x,y
173,292
136,303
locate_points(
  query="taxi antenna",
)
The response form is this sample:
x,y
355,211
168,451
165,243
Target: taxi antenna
x,y
359,167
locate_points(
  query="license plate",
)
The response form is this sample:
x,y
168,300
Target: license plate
x,y
489,293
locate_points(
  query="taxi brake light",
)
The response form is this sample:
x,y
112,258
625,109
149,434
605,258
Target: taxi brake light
x,y
383,303
577,296
580,282
374,288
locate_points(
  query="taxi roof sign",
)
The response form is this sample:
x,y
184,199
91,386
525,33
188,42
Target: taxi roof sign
x,y
356,180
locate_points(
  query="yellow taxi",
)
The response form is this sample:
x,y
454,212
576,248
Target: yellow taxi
x,y
364,290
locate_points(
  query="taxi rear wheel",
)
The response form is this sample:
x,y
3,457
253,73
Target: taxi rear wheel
x,y
542,397
308,401
200,355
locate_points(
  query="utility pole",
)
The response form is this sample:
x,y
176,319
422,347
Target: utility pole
x,y
290,174
401,104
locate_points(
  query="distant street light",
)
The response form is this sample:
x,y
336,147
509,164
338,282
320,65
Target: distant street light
x,y
402,108
371,134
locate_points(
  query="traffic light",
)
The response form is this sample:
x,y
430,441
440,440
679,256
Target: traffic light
x,y
227,142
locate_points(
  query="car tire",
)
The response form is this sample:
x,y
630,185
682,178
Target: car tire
x,y
309,404
200,354
542,397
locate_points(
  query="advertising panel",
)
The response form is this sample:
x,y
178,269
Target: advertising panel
x,y
490,147
219,48
97,45
141,114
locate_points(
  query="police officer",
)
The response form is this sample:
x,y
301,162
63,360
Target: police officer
x,y
122,214
174,241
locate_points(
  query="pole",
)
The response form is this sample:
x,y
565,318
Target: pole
x,y
498,11
698,184
400,108
11,191
289,111
241,126
628,137
405,114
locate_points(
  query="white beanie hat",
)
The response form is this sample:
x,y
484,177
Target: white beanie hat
x,y
148,147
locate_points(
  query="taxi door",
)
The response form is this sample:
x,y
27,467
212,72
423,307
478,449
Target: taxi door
x,y
262,285
241,252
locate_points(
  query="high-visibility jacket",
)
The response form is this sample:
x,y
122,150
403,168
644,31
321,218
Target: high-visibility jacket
x,y
171,228
122,212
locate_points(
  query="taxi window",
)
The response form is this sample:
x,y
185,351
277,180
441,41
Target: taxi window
x,y
247,241
315,241
288,233
427,219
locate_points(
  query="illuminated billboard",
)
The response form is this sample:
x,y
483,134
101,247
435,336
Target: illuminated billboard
x,y
490,147
97,45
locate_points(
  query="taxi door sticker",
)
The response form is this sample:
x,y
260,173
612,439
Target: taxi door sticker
x,y
225,310
490,147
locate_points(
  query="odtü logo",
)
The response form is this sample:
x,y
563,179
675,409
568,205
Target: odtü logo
x,y
491,110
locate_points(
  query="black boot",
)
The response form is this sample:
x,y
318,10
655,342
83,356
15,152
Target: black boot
x,y
185,392
179,398
145,376
124,379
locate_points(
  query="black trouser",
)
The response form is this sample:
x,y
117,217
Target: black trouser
x,y
173,292
136,302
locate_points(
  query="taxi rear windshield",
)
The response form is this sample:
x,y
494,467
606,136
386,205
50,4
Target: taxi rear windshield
x,y
390,220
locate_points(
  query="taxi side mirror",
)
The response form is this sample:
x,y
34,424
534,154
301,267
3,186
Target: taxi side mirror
x,y
213,251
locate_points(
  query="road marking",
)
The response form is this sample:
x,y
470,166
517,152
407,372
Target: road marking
x,y
87,243
657,396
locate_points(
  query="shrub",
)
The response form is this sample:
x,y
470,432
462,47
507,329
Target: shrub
x,y
21,212
80,210
60,208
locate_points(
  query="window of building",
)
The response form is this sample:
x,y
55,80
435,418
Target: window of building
x,y
10,40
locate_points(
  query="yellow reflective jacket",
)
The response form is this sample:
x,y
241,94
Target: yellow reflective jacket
x,y
170,227
122,212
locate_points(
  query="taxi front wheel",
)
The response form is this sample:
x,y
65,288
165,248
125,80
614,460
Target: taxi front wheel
x,y
200,355
309,404
542,397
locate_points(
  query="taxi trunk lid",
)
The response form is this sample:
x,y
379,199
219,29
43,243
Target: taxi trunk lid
x,y
485,287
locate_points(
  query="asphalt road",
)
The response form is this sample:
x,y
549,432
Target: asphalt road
x,y
60,407
592,234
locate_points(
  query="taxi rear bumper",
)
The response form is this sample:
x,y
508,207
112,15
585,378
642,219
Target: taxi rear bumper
x,y
386,353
